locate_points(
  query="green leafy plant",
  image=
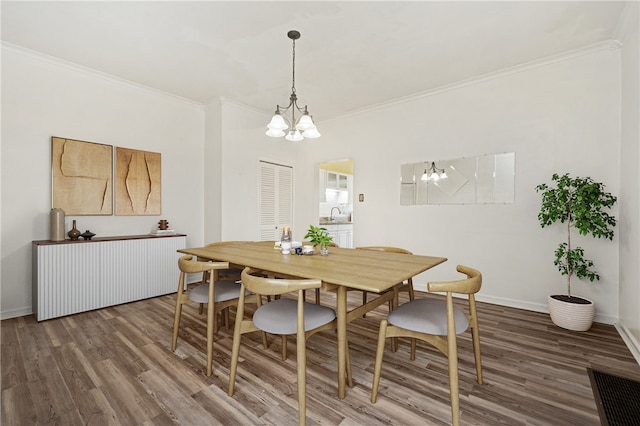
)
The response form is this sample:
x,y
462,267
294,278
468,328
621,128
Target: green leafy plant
x,y
318,236
580,203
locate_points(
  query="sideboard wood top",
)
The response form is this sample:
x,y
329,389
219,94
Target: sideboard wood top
x,y
103,239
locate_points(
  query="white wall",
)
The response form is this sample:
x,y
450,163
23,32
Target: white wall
x,y
562,116
42,98
630,206
244,145
557,117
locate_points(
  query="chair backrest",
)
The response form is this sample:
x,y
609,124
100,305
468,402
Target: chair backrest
x,y
385,248
256,283
469,285
189,266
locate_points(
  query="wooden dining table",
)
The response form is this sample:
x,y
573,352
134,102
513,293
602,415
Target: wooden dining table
x,y
340,270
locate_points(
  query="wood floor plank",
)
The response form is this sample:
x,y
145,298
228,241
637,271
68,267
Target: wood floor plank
x,y
114,366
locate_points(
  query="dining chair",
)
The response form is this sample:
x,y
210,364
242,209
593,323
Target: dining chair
x,y
224,294
403,286
283,316
406,287
436,322
234,271
230,274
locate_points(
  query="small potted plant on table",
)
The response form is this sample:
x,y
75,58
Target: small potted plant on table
x,y
580,203
319,236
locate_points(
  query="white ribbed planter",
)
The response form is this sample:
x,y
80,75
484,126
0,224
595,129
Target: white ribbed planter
x,y
572,316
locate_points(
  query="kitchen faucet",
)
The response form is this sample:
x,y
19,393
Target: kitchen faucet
x,y
331,215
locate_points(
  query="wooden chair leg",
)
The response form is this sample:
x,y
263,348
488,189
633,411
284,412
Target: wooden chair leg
x,y
349,375
302,380
413,349
234,362
452,355
201,309
284,347
453,384
227,319
235,348
176,323
382,335
412,296
394,305
476,353
317,296
364,302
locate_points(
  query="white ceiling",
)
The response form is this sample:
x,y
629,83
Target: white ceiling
x,y
352,54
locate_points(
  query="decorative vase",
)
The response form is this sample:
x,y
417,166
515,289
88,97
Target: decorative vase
x,y
57,225
324,250
74,233
87,235
576,315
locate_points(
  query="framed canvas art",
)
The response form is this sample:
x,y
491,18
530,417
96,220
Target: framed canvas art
x,y
82,177
138,182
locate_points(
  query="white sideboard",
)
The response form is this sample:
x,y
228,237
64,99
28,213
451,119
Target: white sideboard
x,y
77,276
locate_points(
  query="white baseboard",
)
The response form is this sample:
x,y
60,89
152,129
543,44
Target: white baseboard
x,y
630,341
15,313
529,306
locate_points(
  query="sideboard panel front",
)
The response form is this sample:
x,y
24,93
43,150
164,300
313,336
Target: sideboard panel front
x,y
72,278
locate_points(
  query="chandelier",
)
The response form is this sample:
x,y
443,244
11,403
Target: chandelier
x,y
433,173
291,128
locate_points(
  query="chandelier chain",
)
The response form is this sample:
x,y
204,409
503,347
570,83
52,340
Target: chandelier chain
x,y
293,84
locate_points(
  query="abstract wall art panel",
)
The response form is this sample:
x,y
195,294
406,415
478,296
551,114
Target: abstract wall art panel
x,y
82,177
138,182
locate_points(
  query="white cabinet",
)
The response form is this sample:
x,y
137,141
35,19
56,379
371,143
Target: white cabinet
x,y
342,181
337,180
345,236
342,234
335,188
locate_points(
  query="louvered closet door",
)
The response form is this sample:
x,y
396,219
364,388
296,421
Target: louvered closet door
x,y
276,200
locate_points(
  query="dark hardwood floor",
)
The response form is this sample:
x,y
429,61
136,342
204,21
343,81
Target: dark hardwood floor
x,y
114,366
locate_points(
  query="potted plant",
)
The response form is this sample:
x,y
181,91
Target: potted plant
x,y
319,236
580,203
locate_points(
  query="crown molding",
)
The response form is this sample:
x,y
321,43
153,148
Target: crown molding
x,y
222,101
61,63
549,60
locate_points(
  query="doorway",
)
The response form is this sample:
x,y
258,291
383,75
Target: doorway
x,y
335,209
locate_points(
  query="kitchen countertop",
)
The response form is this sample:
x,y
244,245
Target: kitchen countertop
x,y
335,222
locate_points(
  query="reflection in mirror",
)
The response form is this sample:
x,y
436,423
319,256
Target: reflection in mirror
x,y
486,179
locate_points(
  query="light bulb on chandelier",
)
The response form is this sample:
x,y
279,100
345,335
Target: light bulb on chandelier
x,y
292,129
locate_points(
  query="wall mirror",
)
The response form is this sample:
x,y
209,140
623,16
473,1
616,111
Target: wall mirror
x,y
485,179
